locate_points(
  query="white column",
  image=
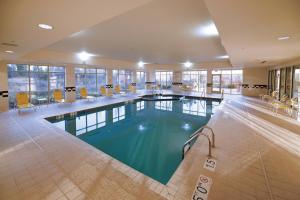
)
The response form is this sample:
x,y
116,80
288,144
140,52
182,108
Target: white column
x,y
133,79
70,89
177,81
209,81
3,87
109,81
150,78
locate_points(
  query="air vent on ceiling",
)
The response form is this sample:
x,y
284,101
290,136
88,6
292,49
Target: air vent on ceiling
x,y
9,44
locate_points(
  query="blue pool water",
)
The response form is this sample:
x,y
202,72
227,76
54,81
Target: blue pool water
x,y
145,135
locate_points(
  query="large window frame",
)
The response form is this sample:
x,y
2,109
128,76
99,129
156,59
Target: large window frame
x,y
122,77
90,78
231,80
140,80
197,79
164,79
38,81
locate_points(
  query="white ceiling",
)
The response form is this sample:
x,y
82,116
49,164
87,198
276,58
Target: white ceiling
x,y
162,31
155,31
249,29
19,20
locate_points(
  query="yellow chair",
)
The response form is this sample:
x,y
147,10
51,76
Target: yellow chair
x,y
103,91
132,89
274,96
284,98
58,96
84,94
23,101
118,89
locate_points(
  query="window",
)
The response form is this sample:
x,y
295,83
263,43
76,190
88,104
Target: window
x,y
18,81
164,79
236,81
296,83
231,80
56,79
90,78
89,122
194,108
38,81
164,105
122,78
140,105
140,79
118,113
196,79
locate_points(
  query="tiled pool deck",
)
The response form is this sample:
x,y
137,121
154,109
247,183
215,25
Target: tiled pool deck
x,y
257,156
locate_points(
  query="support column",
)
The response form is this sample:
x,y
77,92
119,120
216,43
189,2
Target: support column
x,y
209,81
3,87
133,81
109,81
150,78
177,81
70,89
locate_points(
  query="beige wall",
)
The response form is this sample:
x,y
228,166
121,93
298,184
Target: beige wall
x,y
255,76
3,87
70,86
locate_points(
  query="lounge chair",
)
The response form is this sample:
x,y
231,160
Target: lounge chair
x,y
132,89
105,92
84,94
23,101
118,90
58,96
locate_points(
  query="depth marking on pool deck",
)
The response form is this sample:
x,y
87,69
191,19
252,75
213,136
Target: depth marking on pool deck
x,y
210,164
202,188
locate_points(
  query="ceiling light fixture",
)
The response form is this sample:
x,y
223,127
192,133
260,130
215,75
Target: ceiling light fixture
x,y
223,57
283,38
141,64
45,26
84,56
188,64
8,51
207,30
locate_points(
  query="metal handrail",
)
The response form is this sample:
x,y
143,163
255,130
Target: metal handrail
x,y
211,131
196,134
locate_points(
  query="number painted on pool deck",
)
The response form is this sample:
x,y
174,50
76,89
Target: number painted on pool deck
x,y
210,164
202,188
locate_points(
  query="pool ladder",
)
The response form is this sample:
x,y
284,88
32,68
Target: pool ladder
x,y
199,132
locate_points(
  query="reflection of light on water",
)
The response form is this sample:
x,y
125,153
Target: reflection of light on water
x,y
141,127
186,127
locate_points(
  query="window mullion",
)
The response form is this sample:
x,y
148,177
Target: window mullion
x,y
48,76
29,83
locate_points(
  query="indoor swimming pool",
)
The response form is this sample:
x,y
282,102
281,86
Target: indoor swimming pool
x,y
145,135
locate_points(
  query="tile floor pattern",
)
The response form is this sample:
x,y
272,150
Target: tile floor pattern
x,y
257,154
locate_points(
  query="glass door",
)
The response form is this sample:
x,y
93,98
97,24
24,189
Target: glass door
x,y
216,83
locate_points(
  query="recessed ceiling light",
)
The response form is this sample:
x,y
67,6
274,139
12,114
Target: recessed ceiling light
x,y
283,38
8,51
84,56
188,64
207,30
45,26
223,57
141,64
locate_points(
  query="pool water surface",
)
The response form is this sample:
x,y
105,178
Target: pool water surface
x,y
145,135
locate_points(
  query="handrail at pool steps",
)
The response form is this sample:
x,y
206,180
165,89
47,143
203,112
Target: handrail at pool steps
x,y
211,141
